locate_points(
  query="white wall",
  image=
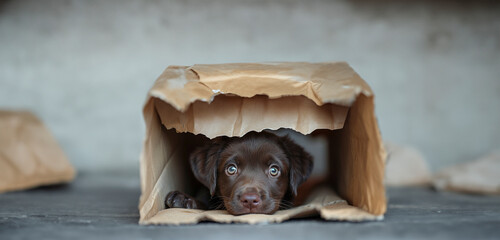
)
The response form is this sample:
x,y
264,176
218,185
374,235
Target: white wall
x,y
85,66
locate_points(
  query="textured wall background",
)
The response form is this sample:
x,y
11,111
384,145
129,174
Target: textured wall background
x,y
85,66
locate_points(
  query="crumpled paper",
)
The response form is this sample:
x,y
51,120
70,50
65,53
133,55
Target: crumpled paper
x,y
29,154
481,176
406,166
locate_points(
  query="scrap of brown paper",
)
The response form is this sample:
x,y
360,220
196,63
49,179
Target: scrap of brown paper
x,y
406,166
29,155
480,176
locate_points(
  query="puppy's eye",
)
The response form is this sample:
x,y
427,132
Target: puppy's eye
x,y
231,169
274,171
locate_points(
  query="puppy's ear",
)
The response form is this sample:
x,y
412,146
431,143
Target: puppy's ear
x,y
204,162
301,163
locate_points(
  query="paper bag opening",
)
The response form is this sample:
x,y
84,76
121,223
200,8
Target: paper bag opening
x,y
187,106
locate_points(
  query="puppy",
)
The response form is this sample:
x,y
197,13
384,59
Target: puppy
x,y
256,173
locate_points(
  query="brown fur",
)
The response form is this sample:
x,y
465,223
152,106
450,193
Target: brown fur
x,y
252,188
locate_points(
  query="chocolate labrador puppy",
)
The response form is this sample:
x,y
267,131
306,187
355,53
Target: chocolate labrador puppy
x,y
256,173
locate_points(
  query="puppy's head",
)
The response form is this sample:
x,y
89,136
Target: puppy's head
x,y
252,174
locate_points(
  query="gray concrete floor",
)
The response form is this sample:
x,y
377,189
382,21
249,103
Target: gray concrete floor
x,y
104,205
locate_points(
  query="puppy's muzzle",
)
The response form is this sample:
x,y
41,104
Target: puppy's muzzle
x,y
251,199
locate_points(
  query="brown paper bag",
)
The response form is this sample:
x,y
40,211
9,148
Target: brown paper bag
x,y
188,105
29,155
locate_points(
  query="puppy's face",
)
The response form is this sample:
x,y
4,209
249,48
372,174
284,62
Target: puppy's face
x,y
252,174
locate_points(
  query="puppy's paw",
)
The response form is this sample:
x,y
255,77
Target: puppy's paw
x,y
176,199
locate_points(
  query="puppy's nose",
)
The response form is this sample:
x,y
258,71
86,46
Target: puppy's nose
x,y
250,200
